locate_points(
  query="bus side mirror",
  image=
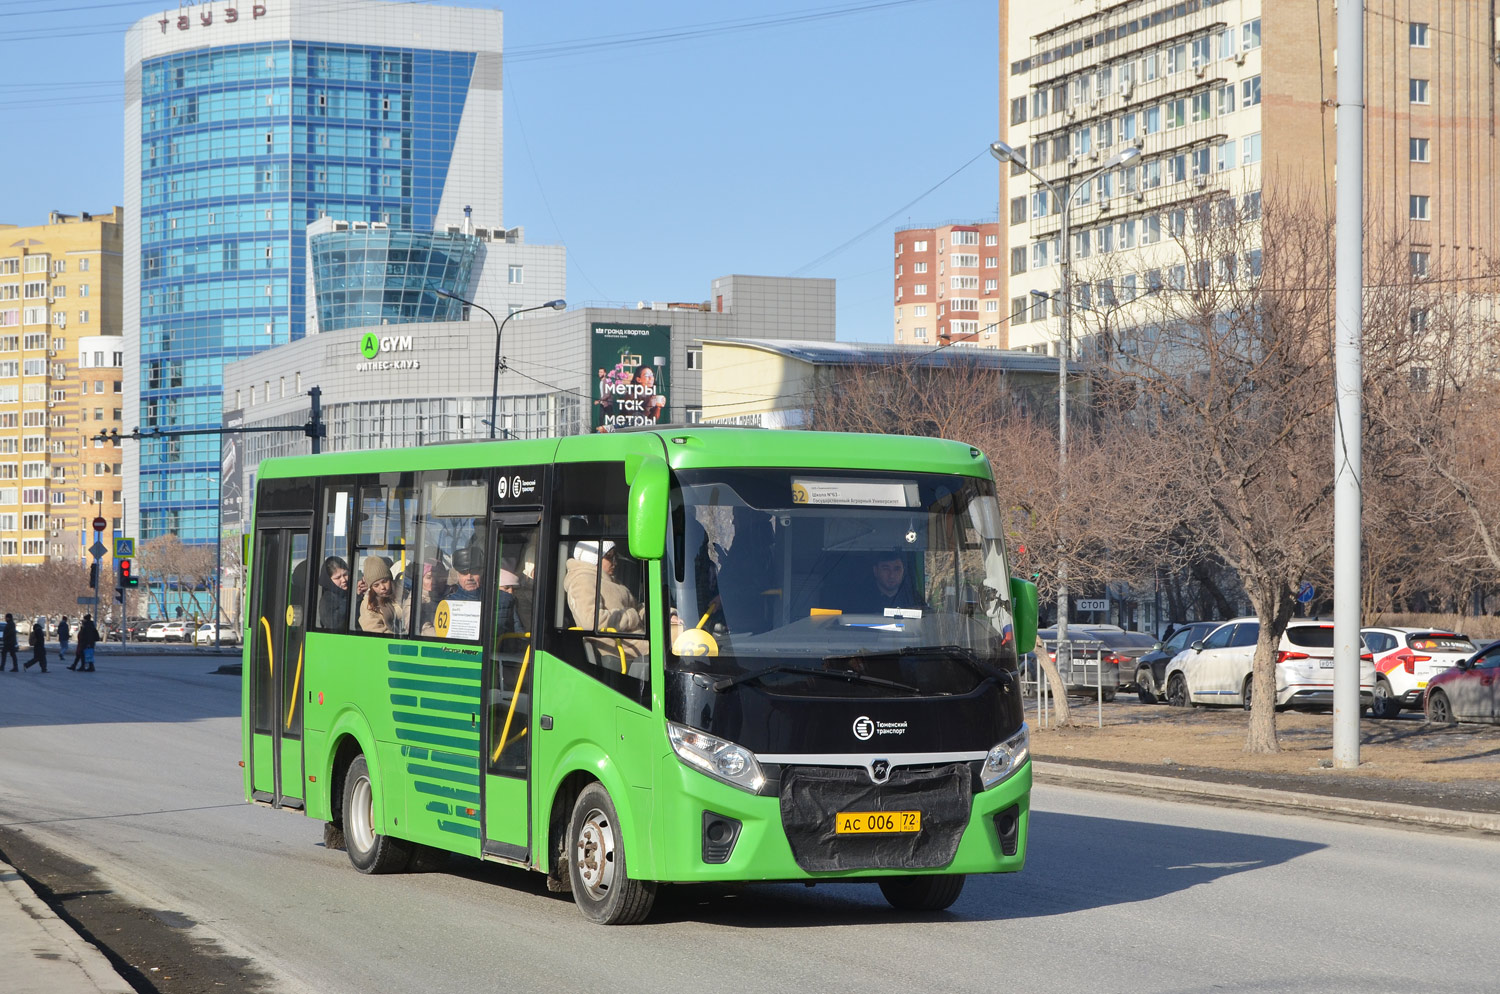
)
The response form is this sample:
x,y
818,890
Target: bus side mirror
x,y
647,525
1023,599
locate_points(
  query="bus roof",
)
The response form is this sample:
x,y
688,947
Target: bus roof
x,y
684,447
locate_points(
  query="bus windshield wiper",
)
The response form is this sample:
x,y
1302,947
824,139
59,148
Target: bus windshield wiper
x,y
719,686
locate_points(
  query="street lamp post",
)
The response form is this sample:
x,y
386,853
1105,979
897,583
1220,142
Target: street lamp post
x,y
556,305
1006,154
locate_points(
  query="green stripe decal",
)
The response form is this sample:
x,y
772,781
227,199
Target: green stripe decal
x,y
457,828
444,775
453,707
469,674
468,689
412,718
403,650
439,807
470,798
441,652
471,743
404,700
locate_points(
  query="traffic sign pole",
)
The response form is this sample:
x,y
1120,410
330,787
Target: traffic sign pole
x,y
98,550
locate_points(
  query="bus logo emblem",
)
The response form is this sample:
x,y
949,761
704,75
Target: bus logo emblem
x,y
504,487
880,770
864,728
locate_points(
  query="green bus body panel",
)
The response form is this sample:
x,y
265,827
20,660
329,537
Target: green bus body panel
x,y
582,738
505,809
699,449
413,708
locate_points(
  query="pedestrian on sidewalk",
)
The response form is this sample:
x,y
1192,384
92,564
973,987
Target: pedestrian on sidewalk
x,y
38,647
63,634
8,642
88,637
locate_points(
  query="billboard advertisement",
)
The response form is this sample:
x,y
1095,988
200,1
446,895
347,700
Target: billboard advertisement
x,y
232,509
631,363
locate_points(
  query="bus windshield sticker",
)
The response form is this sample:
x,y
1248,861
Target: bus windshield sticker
x,y
341,514
454,619
854,493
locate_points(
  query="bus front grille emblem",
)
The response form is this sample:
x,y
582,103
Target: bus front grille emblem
x,y
880,770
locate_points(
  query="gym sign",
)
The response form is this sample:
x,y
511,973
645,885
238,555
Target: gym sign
x,y
206,17
373,346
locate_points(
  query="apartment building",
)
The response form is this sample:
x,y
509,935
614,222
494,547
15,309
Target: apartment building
x,y
59,313
947,285
1230,102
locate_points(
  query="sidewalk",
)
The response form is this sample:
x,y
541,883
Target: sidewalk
x,y
42,954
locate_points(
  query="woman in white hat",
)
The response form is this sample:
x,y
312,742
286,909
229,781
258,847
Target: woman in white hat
x,y
599,602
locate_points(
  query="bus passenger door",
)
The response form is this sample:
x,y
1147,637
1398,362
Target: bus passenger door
x,y
278,610
508,669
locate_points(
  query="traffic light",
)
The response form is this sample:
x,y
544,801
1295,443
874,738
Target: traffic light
x,y
127,578
120,594
94,575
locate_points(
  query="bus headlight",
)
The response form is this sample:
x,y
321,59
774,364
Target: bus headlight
x,y
1007,757
719,758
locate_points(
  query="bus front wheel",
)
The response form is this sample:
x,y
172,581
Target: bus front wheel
x,y
602,886
931,892
369,851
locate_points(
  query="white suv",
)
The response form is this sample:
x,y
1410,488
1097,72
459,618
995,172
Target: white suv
x,y
1217,669
1405,659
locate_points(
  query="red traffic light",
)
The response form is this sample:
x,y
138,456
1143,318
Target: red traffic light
x,y
127,579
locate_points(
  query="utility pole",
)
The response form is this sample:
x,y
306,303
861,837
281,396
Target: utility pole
x,y
1349,263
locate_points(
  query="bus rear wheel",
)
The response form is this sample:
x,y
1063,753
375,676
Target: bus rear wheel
x,y
369,851
602,886
929,892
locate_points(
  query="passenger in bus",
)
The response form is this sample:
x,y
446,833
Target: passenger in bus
x,y
468,574
381,611
333,599
598,601
512,614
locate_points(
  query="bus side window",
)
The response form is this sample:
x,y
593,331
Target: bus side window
x,y
335,578
600,607
384,556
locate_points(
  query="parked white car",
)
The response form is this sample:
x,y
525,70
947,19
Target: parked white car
x,y
228,635
1217,669
157,632
1406,659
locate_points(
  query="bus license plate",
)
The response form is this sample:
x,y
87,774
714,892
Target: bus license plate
x,y
877,822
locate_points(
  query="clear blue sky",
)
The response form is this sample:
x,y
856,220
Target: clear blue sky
x,y
664,143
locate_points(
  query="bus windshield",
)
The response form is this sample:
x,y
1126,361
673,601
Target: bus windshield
x,y
838,583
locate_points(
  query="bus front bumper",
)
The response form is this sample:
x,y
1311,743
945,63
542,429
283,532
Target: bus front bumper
x,y
710,831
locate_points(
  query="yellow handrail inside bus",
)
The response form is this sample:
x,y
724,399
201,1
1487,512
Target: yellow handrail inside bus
x,y
270,655
296,687
620,648
515,695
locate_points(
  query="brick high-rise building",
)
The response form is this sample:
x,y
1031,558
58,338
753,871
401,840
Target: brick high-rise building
x,y
948,289
1227,100
60,354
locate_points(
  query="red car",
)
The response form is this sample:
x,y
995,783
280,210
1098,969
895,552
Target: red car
x,y
1469,691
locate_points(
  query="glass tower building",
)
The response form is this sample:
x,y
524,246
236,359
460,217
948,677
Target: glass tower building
x,y
371,275
244,123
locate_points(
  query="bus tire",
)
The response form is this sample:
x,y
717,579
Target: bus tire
x,y
369,851
602,887
928,892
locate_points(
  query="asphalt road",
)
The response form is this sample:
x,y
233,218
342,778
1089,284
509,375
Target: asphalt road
x,y
133,770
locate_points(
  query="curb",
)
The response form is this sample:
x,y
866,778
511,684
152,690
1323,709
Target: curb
x,y
48,955
1061,774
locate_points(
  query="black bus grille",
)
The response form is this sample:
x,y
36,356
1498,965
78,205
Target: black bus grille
x,y
812,797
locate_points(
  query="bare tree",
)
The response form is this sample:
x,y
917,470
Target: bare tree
x,y
1227,372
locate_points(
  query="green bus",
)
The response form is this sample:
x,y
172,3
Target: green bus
x,y
683,654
